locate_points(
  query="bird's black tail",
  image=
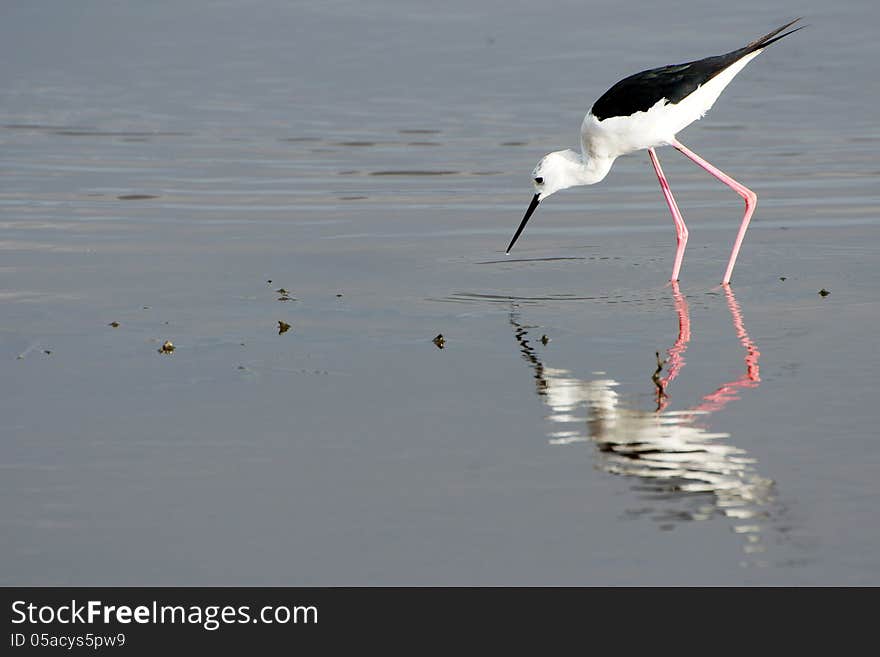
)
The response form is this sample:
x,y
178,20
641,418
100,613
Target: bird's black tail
x,y
771,37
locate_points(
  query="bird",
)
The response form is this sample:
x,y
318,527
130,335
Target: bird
x,y
643,112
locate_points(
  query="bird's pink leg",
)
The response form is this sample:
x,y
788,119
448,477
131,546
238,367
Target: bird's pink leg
x,y
681,231
748,195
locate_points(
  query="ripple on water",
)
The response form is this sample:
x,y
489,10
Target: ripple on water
x,y
413,172
111,133
636,298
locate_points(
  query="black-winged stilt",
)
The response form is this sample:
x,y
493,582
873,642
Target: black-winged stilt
x,y
646,110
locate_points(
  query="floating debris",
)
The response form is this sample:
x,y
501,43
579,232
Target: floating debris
x,y
283,327
544,340
167,347
114,324
339,296
285,295
32,349
440,341
655,377
136,197
281,290
823,292
660,383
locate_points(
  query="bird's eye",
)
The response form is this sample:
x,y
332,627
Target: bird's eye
x,y
539,180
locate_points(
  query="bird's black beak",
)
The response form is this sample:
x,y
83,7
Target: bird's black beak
x,y
534,204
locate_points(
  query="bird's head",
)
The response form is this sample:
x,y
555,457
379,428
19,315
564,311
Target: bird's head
x,y
555,171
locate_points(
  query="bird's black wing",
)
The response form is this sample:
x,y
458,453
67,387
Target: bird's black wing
x,y
640,92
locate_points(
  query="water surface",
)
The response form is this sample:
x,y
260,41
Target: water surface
x,y
356,170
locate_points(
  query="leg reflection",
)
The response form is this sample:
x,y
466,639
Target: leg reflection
x,y
675,353
727,392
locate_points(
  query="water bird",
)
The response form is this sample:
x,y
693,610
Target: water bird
x,y
642,112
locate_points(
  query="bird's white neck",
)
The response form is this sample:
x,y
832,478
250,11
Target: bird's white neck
x,y
594,169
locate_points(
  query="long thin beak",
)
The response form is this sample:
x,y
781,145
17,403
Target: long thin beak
x,y
532,206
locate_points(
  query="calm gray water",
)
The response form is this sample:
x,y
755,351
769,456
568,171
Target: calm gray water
x,y
170,166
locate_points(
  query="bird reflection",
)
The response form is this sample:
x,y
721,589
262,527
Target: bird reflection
x,y
686,471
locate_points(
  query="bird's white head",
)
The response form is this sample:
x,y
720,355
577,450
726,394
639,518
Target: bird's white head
x,y
560,170
557,170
